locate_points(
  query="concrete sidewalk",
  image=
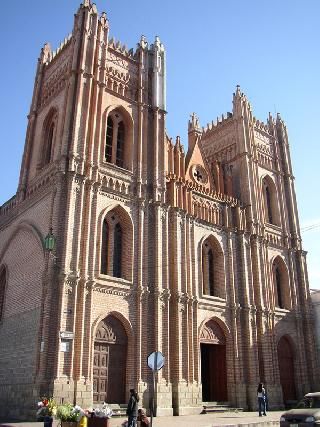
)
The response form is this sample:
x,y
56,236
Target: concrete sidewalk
x,y
227,419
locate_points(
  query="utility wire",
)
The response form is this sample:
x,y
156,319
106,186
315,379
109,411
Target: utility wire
x,y
310,227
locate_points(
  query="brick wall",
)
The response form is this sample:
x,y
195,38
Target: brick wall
x,y
19,328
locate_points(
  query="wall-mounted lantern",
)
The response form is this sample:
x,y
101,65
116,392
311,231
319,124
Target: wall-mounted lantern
x,y
50,241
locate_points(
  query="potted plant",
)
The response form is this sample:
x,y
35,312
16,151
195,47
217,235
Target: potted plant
x,y
100,416
69,415
47,409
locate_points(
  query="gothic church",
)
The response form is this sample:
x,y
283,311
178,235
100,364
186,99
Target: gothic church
x,y
196,253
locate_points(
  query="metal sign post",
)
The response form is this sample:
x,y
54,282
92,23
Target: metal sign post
x,y
155,362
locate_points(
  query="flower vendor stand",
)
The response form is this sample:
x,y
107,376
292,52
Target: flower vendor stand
x,y
69,424
47,421
98,422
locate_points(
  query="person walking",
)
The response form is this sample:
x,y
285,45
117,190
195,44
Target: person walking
x,y
261,393
132,408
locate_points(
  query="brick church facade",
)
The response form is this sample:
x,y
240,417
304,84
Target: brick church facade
x,y
194,253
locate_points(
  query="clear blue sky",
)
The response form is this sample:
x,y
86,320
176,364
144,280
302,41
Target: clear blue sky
x,y
269,47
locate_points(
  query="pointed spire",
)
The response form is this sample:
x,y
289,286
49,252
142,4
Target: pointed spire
x,y
271,124
281,128
178,143
194,131
241,104
279,119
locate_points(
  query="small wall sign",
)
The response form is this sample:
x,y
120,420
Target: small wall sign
x,y
65,346
66,335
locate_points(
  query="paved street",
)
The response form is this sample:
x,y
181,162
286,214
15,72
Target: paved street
x,y
243,419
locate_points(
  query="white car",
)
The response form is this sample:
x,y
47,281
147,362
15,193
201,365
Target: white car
x,y
307,413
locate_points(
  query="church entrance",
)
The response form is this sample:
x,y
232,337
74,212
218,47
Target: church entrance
x,y
109,362
286,369
213,363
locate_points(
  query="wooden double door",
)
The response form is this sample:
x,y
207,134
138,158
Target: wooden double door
x,y
109,362
286,370
213,373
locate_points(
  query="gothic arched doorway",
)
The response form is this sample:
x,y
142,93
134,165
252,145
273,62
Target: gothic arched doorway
x,y
213,363
286,369
109,362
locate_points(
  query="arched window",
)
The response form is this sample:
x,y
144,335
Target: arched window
x,y
116,149
3,279
49,144
48,139
278,287
117,252
104,248
120,144
271,210
282,295
211,271
213,279
116,245
268,203
109,137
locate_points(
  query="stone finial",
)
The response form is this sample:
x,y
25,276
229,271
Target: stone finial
x,y
271,123
280,122
104,20
143,42
178,146
45,55
194,122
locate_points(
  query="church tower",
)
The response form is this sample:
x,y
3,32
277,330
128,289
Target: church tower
x,y
93,162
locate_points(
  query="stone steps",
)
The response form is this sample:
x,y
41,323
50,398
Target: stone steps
x,y
216,407
119,410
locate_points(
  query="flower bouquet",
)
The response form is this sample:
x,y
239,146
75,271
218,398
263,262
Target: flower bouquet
x,y
47,409
100,416
69,415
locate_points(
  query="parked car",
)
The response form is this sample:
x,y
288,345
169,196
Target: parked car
x,y
307,413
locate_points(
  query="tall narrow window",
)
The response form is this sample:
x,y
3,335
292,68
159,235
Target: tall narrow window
x,y
211,271
49,144
117,251
104,248
2,290
120,144
109,138
48,137
278,287
269,207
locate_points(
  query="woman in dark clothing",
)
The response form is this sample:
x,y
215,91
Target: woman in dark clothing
x,y
261,394
132,409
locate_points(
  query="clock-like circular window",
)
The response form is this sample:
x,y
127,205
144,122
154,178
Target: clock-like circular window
x,y
199,174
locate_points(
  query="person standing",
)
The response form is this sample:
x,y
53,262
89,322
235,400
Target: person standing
x,y
261,393
132,408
